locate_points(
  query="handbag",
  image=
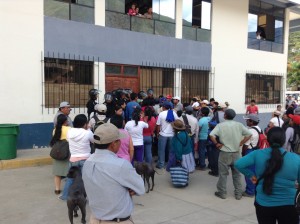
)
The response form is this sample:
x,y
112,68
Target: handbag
x,y
60,150
179,176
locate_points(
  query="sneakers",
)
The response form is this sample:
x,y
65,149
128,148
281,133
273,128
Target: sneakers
x,y
238,197
219,195
213,174
245,194
61,198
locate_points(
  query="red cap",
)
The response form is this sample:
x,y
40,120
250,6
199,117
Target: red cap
x,y
169,97
295,118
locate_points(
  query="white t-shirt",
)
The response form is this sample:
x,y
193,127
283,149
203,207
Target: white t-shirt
x,y
136,131
166,128
254,138
274,120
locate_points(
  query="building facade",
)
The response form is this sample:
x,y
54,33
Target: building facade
x,y
56,50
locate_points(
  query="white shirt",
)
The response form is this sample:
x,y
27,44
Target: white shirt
x,y
252,142
166,128
274,120
79,142
193,122
136,131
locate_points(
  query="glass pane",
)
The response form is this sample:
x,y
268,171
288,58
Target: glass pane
x,y
278,31
189,33
253,43
117,20
56,9
113,69
265,45
82,14
252,25
277,47
203,35
155,9
130,71
205,15
254,6
167,10
164,28
187,12
115,5
86,2
142,25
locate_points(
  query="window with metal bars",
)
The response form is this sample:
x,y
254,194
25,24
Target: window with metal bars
x,y
67,80
264,89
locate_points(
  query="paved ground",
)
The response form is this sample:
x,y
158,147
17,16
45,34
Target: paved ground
x,y
27,197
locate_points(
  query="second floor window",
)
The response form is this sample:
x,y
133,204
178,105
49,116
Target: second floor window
x,y
265,23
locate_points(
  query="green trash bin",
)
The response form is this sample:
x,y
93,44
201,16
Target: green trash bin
x,y
8,141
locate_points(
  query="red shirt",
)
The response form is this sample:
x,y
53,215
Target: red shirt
x,y
252,109
149,131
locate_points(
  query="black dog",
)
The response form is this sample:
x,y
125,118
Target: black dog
x,y
76,195
146,171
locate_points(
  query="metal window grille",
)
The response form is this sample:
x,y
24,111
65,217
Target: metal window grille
x,y
264,89
67,80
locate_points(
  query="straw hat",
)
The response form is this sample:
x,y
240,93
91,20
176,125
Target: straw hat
x,y
178,125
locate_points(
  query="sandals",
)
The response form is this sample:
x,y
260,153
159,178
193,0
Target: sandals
x,y
57,192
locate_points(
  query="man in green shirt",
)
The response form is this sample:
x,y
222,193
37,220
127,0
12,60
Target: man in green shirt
x,y
232,135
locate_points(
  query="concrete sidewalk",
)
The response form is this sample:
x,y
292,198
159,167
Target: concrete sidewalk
x,y
28,198
28,158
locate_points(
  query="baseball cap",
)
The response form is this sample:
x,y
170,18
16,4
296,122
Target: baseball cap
x,y
222,105
189,109
230,113
107,133
167,105
295,118
100,108
297,111
169,97
252,117
205,101
176,98
64,104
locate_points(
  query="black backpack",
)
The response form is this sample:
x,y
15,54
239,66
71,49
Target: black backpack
x,y
98,122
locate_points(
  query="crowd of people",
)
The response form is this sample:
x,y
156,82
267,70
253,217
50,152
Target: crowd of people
x,y
135,11
164,132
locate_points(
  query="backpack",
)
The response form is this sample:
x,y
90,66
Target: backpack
x,y
187,125
295,143
262,140
98,122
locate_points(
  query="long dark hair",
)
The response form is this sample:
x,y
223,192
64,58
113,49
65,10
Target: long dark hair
x,y
61,119
136,115
149,112
276,138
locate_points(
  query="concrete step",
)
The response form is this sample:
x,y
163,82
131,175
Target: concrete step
x,y
28,158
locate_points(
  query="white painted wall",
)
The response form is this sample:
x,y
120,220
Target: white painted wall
x,y
21,44
231,58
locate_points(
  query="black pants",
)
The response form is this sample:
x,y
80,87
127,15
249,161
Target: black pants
x,y
282,214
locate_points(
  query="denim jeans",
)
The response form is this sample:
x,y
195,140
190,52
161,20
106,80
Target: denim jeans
x,y
250,187
164,147
148,149
213,156
202,150
69,181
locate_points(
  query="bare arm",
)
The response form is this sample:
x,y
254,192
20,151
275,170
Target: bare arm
x,y
131,149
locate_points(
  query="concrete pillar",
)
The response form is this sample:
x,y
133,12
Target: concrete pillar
x,y
178,19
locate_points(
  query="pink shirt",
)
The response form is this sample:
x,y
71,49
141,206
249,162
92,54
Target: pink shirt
x,y
149,131
124,148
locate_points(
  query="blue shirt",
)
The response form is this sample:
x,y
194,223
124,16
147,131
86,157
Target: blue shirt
x,y
129,109
283,191
203,124
107,179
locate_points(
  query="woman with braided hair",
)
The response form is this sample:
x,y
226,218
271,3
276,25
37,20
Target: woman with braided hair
x,y
276,172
